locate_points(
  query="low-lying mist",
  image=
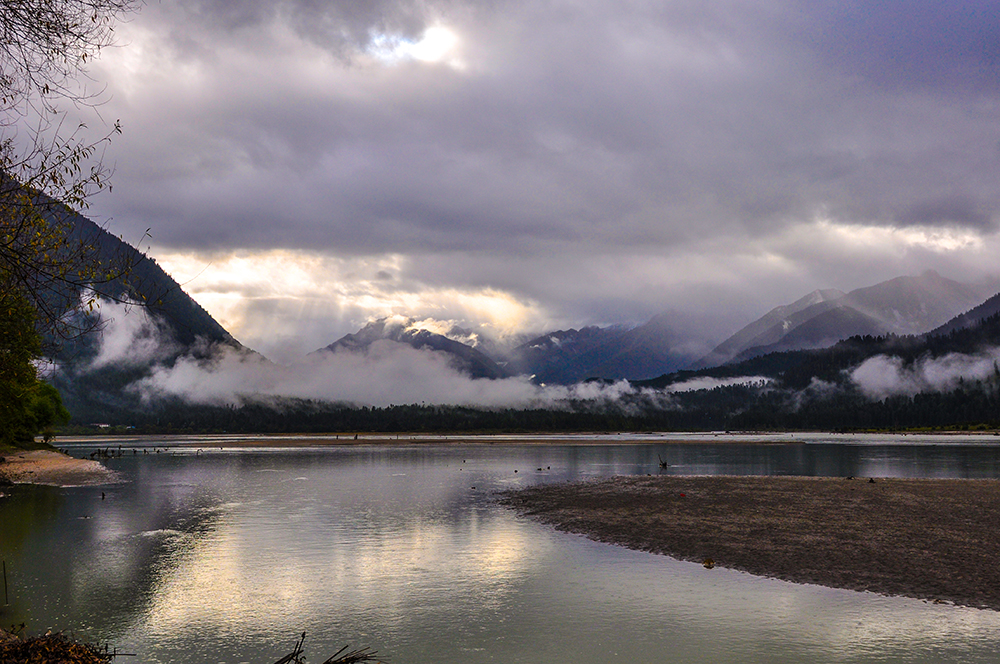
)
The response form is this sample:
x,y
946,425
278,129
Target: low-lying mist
x,y
884,376
383,374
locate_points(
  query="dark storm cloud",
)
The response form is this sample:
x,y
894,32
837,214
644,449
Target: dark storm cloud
x,y
946,46
960,211
648,118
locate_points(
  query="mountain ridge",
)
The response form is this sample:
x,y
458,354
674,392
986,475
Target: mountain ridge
x,y
463,357
903,305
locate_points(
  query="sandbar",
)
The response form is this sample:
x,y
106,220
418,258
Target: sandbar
x,y
52,468
936,540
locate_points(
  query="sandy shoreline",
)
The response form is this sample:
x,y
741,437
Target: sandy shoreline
x,y
52,468
928,539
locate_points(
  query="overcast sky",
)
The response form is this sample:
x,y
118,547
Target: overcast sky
x,y
307,165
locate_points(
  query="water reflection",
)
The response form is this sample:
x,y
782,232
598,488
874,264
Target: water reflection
x,y
225,556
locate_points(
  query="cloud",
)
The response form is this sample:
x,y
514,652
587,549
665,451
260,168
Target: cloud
x,y
385,373
960,211
594,162
287,304
885,376
935,45
129,337
568,123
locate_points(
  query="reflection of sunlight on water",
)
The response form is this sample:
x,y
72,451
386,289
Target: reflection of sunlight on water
x,y
263,580
162,532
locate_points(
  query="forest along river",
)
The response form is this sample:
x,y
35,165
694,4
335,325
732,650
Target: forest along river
x,y
208,552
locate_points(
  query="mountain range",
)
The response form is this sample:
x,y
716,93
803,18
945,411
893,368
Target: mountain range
x,y
902,306
462,357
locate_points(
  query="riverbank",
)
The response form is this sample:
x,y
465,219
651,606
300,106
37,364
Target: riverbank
x,y
51,468
928,539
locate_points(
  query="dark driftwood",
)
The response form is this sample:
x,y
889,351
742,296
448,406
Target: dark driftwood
x,y
340,657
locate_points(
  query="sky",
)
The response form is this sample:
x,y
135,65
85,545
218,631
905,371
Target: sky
x,y
521,166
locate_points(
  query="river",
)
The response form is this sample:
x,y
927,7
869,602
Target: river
x,y
219,549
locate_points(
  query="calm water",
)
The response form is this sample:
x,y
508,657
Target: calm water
x,y
227,555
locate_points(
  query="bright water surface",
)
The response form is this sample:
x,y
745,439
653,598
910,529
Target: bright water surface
x,y
226,555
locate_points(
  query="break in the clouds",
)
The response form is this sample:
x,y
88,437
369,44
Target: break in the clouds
x,y
585,161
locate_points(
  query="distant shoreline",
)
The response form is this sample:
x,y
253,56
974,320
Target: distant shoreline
x,y
927,539
584,438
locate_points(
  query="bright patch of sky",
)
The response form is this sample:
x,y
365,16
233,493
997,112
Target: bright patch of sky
x,y
436,44
285,304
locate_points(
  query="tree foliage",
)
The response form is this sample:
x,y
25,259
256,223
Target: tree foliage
x,y
27,405
45,172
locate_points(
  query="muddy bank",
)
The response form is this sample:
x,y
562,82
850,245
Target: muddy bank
x,y
52,468
929,539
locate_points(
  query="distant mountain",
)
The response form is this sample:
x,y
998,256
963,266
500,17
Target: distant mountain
x,y
645,351
772,326
564,356
560,357
463,357
914,305
617,352
495,346
799,369
905,305
886,382
148,283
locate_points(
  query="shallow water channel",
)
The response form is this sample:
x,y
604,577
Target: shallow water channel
x,y
204,555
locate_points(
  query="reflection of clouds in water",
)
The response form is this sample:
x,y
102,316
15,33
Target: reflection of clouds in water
x,y
214,588
221,507
121,560
722,612
463,575
423,568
